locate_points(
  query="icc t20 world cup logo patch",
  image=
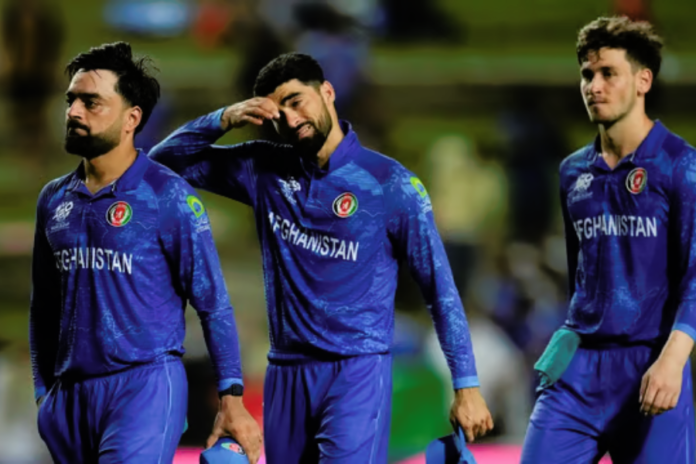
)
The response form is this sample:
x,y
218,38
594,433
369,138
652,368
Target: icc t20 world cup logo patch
x,y
119,214
637,180
345,205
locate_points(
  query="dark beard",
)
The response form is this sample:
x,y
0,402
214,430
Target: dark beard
x,y
309,147
89,146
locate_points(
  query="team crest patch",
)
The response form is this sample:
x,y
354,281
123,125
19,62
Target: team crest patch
x,y
234,447
636,180
119,214
345,205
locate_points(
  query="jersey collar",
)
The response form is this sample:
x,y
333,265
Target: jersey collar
x,y
128,181
648,149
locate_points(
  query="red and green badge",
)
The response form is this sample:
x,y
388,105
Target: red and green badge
x,y
119,214
637,180
345,205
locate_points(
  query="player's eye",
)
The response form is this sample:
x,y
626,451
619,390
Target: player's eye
x,y
89,104
295,103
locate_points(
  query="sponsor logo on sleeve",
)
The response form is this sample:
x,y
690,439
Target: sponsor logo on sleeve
x,y
196,205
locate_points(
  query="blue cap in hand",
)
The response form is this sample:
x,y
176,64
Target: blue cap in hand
x,y
449,450
225,451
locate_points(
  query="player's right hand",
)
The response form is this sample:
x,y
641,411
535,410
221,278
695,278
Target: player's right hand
x,y
470,411
235,421
254,111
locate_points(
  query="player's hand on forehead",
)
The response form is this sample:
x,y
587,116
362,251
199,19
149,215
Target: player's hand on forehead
x,y
255,111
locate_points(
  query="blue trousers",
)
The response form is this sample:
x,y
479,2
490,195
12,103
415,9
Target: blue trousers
x,y
134,416
593,409
328,411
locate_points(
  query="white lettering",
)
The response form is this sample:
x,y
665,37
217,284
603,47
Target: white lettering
x,y
617,225
303,240
334,241
285,229
325,246
294,232
127,262
588,228
116,263
79,258
100,258
313,243
611,228
353,251
290,232
640,227
652,226
108,258
341,253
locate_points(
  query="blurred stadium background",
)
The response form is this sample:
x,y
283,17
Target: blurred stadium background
x,y
480,98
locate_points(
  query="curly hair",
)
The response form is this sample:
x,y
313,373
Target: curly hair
x,y
642,44
135,84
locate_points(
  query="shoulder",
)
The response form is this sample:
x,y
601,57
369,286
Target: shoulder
x,y
385,170
575,163
171,193
54,191
678,151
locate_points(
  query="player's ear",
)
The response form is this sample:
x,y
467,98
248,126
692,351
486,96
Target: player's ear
x,y
327,92
134,117
644,78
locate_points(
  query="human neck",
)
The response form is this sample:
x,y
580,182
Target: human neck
x,y
105,169
623,137
332,141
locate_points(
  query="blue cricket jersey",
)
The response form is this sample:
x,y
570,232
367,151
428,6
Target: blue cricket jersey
x,y
630,238
332,239
112,273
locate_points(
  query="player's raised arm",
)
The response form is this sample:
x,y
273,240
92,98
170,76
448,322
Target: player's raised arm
x,y
188,241
416,239
45,309
225,170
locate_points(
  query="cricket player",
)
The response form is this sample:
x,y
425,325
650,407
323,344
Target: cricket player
x,y
617,378
334,221
122,243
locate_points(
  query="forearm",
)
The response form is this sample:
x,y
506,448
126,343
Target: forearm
x,y
222,341
178,150
43,355
678,347
455,340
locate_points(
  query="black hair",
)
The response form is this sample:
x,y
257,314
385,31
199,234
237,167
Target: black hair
x,y
135,84
285,68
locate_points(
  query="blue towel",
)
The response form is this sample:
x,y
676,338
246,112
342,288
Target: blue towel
x,y
556,357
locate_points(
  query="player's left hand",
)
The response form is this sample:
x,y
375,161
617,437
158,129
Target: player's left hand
x,y
470,411
235,421
661,386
